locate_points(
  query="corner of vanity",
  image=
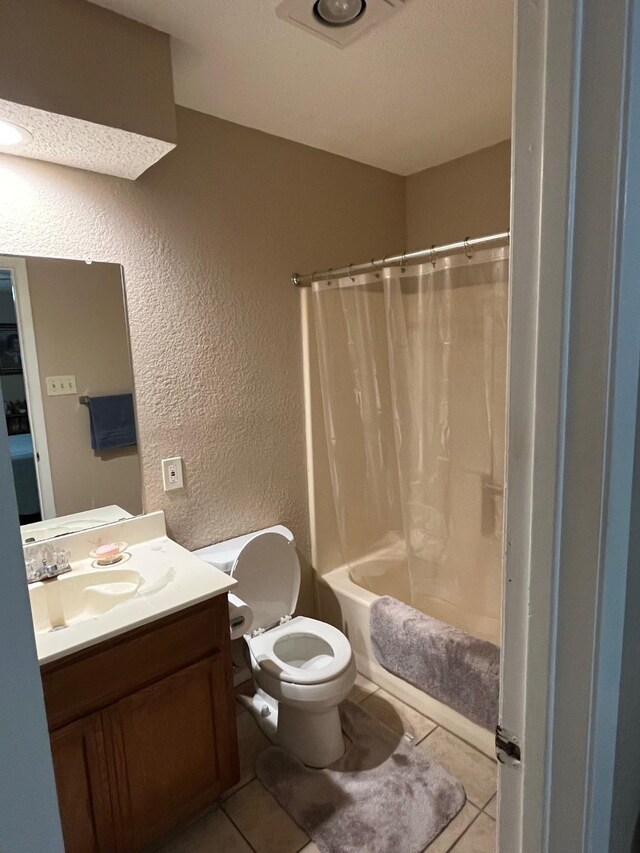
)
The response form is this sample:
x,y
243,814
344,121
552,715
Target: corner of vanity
x,y
139,698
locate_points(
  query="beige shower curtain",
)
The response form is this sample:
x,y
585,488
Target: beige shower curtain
x,y
413,376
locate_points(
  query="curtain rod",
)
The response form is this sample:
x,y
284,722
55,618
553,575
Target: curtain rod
x,y
431,254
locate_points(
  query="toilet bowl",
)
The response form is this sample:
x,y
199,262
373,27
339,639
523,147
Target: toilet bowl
x,y
302,668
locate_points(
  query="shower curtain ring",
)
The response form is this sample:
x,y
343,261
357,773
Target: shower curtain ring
x,y
433,256
350,276
403,262
468,250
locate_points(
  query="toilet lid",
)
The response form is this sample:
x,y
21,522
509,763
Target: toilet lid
x,y
268,575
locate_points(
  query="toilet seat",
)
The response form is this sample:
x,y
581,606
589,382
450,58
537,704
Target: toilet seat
x,y
295,651
325,650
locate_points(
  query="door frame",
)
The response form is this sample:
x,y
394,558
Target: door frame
x,y
33,385
573,397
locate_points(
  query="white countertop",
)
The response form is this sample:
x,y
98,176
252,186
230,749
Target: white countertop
x,y
174,579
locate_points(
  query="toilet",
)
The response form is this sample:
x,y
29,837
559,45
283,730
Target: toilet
x,y
302,668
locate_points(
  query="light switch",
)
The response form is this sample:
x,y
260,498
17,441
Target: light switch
x,y
172,473
58,385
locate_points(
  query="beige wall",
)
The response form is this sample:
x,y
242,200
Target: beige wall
x,y
467,197
78,59
81,329
208,238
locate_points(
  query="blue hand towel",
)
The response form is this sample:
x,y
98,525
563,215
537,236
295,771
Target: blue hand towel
x,y
112,421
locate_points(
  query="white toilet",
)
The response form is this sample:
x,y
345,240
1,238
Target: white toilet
x,y
302,668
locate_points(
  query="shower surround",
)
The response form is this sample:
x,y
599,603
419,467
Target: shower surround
x,y
406,381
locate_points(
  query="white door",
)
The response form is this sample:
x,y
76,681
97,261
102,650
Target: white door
x,y
573,387
18,270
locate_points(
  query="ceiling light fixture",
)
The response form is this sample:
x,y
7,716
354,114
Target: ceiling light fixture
x,y
13,134
338,22
339,13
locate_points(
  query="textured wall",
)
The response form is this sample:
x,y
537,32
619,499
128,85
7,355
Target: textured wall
x,y
79,321
467,197
208,238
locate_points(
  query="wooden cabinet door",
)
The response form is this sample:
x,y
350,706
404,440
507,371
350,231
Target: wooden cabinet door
x,y
173,748
83,786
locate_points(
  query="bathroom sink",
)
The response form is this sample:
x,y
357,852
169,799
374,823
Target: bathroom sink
x,y
79,596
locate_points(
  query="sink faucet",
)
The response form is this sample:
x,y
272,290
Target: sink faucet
x,y
47,568
48,572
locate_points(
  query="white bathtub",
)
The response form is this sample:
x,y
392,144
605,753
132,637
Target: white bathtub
x,y
346,605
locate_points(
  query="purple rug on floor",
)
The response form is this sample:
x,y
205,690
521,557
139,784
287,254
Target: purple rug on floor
x,y
445,662
383,796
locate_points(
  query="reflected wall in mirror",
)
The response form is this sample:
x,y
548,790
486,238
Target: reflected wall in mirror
x,y
67,388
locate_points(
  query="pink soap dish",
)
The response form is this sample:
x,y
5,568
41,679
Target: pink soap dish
x,y
110,553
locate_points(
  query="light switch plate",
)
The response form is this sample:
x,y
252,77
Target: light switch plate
x,y
59,385
172,473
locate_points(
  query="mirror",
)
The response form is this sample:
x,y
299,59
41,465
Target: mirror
x,y
68,394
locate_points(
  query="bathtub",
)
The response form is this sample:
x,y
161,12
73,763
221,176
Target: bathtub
x,y
346,605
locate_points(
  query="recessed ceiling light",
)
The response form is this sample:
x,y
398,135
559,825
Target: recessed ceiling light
x,y
339,22
339,13
13,134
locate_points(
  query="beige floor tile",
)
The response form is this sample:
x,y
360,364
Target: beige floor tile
x,y
213,831
362,688
397,716
451,833
251,742
479,838
475,771
265,825
492,808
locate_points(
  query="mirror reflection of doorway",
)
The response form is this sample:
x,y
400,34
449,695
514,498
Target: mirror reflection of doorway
x,y
16,412
68,341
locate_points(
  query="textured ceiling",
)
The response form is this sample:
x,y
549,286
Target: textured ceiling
x,y
431,83
82,144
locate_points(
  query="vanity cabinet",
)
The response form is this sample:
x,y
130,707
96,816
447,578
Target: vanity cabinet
x,y
80,765
168,747
143,730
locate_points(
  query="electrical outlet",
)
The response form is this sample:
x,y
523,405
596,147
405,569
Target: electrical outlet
x,y
172,473
59,385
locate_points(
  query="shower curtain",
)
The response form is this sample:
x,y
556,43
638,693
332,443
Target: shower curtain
x,y
412,365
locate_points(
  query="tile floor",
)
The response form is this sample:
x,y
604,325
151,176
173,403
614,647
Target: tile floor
x,y
249,819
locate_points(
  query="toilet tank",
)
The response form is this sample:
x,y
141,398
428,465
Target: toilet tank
x,y
223,555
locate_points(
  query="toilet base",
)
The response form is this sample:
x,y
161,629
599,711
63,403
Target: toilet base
x,y
315,737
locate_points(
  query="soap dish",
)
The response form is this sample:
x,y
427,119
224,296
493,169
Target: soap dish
x,y
110,554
